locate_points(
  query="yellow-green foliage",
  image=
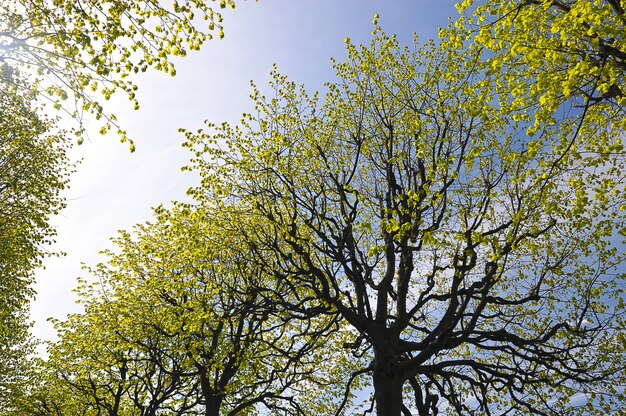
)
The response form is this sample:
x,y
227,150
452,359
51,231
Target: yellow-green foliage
x,y
33,170
82,47
182,315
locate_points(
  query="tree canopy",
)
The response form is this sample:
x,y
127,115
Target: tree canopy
x,y
552,51
79,48
182,322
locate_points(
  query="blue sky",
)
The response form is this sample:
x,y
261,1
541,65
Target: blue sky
x,y
113,189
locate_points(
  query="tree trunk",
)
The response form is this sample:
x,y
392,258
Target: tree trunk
x,y
212,398
387,386
213,404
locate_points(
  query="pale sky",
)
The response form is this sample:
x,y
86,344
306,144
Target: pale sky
x,y
113,189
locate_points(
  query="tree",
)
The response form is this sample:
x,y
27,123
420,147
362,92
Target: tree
x,y
472,248
75,48
33,170
177,323
55,52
